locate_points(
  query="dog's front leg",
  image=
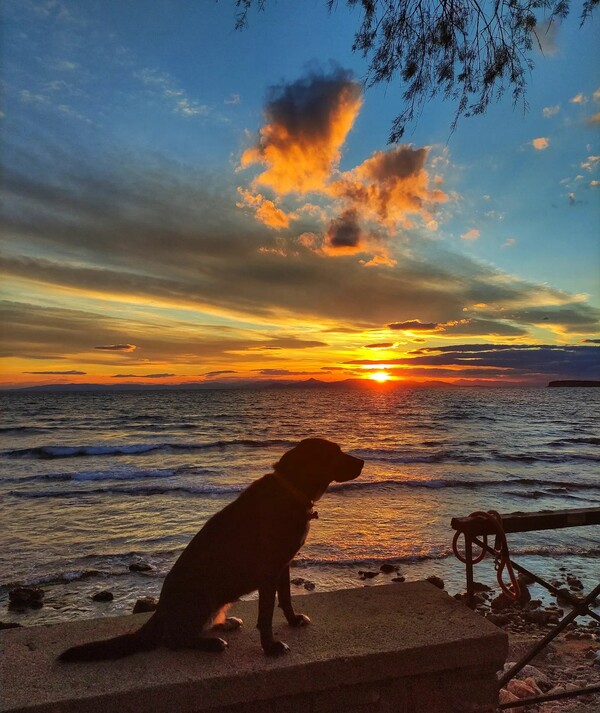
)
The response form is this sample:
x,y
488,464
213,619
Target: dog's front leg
x,y
266,605
285,600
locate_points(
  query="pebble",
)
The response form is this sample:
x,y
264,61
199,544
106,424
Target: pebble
x,y
103,596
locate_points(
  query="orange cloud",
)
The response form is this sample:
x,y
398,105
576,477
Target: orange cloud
x,y
390,186
265,210
472,234
541,143
307,124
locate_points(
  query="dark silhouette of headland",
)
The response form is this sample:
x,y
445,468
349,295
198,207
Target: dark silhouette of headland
x,y
574,382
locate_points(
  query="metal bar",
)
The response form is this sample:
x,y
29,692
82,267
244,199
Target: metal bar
x,y
565,594
567,619
551,697
469,572
526,522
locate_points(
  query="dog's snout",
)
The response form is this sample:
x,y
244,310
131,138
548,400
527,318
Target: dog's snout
x,y
351,468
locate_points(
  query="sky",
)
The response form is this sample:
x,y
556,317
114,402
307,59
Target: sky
x,y
187,202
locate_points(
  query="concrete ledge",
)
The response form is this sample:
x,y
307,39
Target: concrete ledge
x,y
402,647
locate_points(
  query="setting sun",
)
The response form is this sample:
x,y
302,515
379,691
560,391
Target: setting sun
x,y
380,376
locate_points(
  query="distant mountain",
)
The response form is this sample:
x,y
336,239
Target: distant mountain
x,y
224,385
570,383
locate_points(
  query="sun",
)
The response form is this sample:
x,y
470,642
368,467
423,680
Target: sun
x,y
380,376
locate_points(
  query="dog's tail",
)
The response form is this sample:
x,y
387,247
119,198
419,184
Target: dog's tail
x,y
143,639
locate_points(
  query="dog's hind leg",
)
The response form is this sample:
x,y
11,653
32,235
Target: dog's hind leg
x,y
222,622
180,633
285,600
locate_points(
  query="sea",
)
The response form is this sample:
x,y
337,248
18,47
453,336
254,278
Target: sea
x,y
93,482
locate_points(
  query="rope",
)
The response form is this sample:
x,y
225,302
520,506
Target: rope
x,y
501,554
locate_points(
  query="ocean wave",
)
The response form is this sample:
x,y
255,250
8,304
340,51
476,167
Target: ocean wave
x,y
49,452
533,487
100,475
592,441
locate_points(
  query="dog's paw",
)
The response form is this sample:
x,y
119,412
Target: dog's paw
x,y
299,620
276,648
211,643
232,623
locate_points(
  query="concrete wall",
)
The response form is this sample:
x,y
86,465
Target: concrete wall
x,y
407,648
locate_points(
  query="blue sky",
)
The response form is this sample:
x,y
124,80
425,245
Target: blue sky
x,y
143,210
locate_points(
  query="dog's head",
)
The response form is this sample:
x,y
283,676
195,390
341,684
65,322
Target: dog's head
x,y
316,462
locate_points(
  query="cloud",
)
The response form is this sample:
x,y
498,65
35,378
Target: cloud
x,y
166,87
579,99
472,234
282,372
509,242
307,122
591,341
590,163
541,143
549,111
414,325
265,210
524,361
62,226
594,119
233,99
71,372
141,376
118,347
390,186
379,345
212,374
345,232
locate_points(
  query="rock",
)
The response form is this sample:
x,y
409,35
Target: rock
x,y
9,625
505,696
539,677
520,689
145,604
501,602
481,587
498,619
564,595
297,581
436,581
387,568
537,616
139,567
26,597
103,596
399,578
309,586
367,575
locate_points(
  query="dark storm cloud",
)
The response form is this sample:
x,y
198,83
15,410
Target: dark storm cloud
x,y
344,231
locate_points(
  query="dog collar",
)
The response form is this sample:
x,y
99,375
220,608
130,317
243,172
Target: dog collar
x,y
298,495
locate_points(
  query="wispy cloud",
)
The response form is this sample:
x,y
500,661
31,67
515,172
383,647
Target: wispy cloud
x,y
118,348
141,376
167,88
71,372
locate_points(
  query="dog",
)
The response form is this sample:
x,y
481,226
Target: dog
x,y
247,546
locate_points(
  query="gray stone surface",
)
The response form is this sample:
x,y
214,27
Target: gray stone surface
x,y
357,636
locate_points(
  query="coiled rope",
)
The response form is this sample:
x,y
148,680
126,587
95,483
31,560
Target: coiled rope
x,y
501,554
